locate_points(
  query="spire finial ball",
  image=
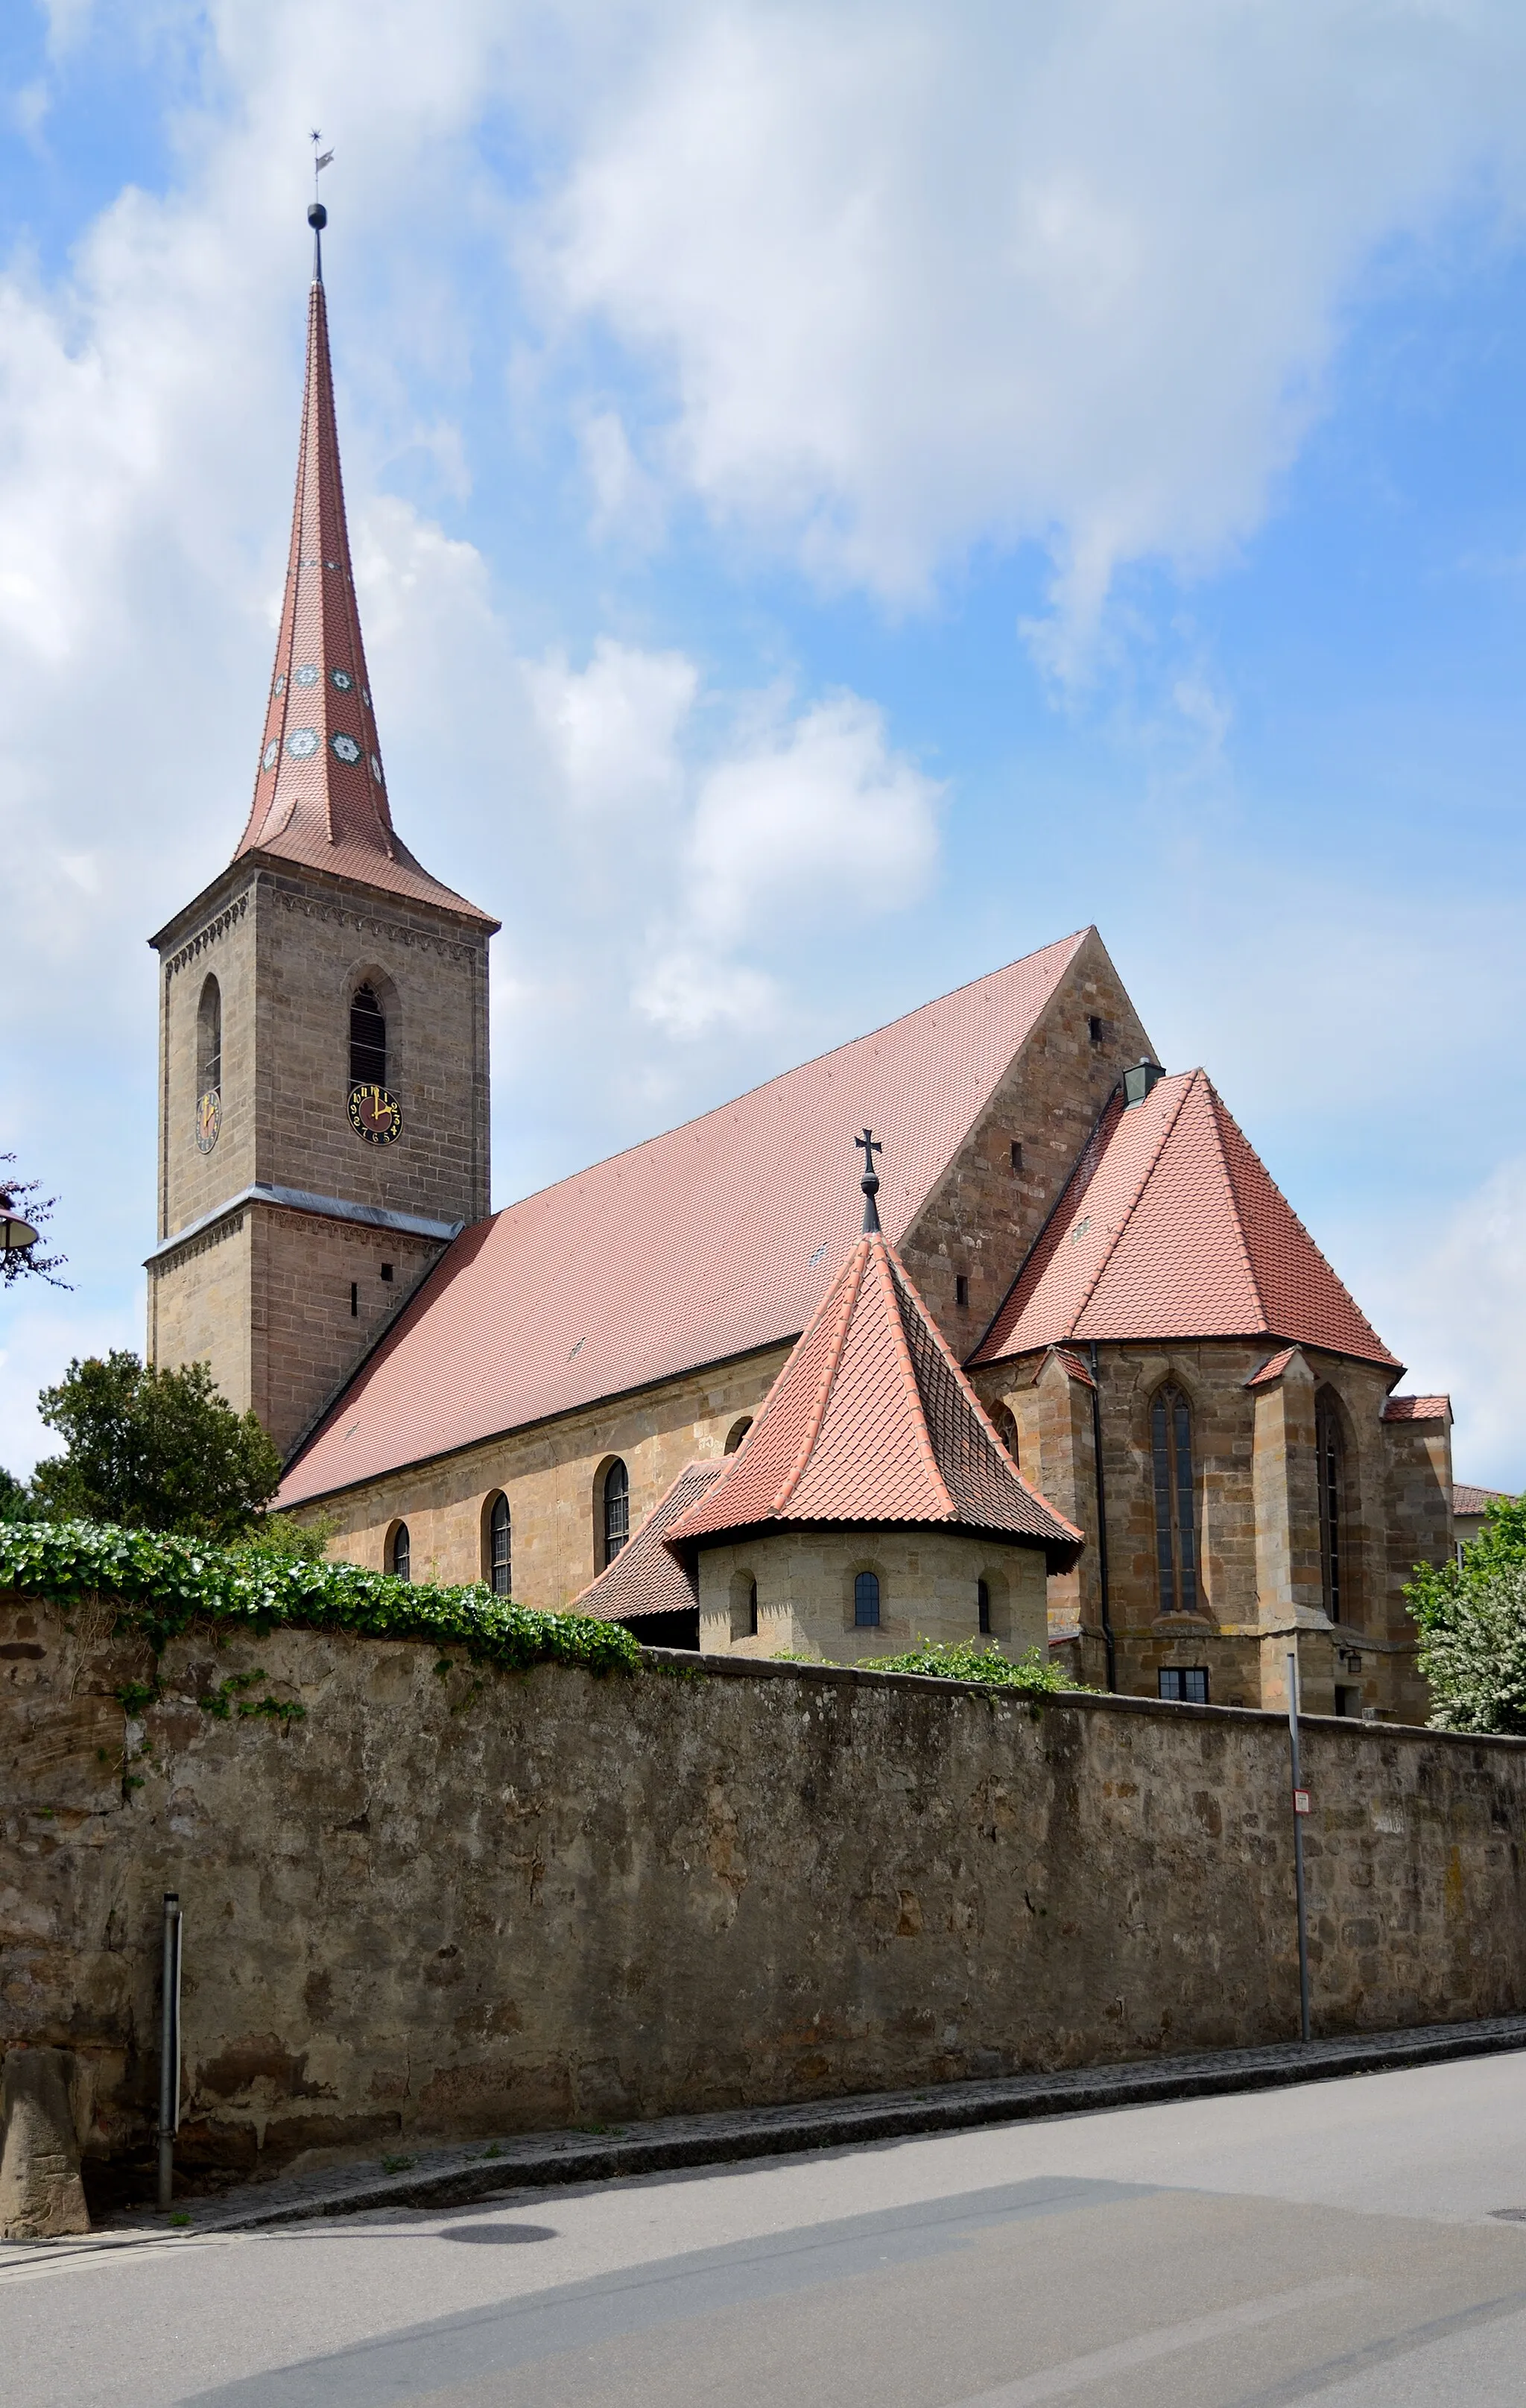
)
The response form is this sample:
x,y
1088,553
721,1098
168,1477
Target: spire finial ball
x,y
317,216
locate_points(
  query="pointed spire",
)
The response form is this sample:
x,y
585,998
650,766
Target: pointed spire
x,y
320,789
869,1145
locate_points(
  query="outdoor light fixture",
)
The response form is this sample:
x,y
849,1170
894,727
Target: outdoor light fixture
x,y
15,1233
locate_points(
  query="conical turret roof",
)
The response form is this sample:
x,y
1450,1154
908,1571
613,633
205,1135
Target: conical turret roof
x,y
872,1423
320,790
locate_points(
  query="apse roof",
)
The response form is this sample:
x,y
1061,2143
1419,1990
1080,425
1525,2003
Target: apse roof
x,y
321,788
1171,1226
709,1242
871,1421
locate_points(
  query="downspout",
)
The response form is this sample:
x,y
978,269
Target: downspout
x,y
1102,1524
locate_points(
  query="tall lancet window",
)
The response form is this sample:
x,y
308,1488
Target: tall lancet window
x,y
210,1039
499,1541
1175,1521
1330,1458
617,1510
367,1040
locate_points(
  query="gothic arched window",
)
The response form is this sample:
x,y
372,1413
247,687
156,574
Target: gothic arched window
x,y
399,1552
1175,1525
210,1039
617,1510
367,1040
866,1601
499,1559
1006,1430
736,1433
1330,1458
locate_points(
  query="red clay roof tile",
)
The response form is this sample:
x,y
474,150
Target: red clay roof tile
x,y
871,1421
320,791
706,1243
1478,1501
645,1577
1272,1368
1172,1227
1418,1409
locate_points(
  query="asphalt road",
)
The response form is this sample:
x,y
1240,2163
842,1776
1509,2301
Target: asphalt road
x,y
1360,2242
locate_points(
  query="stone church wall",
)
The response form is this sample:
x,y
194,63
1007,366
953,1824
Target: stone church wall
x,y
1259,1562
463,1905
551,1472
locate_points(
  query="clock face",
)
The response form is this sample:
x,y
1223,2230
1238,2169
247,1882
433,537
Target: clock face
x,y
375,1116
209,1119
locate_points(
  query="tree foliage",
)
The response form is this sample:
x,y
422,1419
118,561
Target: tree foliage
x,y
24,1197
152,1450
1472,1617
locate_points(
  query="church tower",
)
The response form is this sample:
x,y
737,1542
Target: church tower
x,y
323,1020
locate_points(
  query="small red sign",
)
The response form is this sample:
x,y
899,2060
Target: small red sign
x,y
1301,1801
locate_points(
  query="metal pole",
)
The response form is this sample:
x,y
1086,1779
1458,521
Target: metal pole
x,y
169,2049
1300,1810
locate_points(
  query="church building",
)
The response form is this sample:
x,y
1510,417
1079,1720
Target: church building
x,y
1092,1379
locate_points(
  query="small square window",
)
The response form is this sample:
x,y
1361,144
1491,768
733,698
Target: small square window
x,y
1185,1684
1017,1156
386,1270
354,1299
961,1288
1096,1027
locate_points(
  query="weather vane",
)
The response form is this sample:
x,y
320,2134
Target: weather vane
x,y
869,1145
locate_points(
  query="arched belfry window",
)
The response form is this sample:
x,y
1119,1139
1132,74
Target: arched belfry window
x,y
617,1510
1175,1520
1330,1458
210,1039
367,1040
500,1559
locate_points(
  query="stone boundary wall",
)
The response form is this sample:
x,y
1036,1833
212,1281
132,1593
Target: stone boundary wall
x,y
449,1903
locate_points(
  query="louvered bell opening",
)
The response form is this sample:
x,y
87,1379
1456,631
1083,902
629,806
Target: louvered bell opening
x,y
1139,1079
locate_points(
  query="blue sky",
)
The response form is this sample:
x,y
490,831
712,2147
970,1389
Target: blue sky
x,y
841,496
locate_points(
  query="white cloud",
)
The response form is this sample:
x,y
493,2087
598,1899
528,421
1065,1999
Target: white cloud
x,y
911,280
1467,1297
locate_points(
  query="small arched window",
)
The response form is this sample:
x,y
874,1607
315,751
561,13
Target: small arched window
x,y
982,1604
866,1601
617,1510
399,1552
1006,1430
367,1040
1330,1458
500,1562
737,1432
1176,1525
210,1039
753,1609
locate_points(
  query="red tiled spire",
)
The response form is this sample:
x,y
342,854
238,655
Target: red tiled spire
x,y
1172,1227
872,1421
320,791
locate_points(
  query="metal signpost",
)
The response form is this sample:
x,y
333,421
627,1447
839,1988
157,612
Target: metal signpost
x,y
169,2050
1301,1807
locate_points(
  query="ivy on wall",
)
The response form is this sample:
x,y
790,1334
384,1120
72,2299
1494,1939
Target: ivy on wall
x,y
162,1583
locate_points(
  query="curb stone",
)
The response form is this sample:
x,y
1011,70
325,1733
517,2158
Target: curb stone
x,y
458,2177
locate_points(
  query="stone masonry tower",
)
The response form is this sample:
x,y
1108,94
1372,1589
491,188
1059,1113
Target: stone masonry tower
x,y
322,1021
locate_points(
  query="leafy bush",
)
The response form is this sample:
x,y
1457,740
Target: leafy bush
x,y
1472,1626
165,1583
964,1661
